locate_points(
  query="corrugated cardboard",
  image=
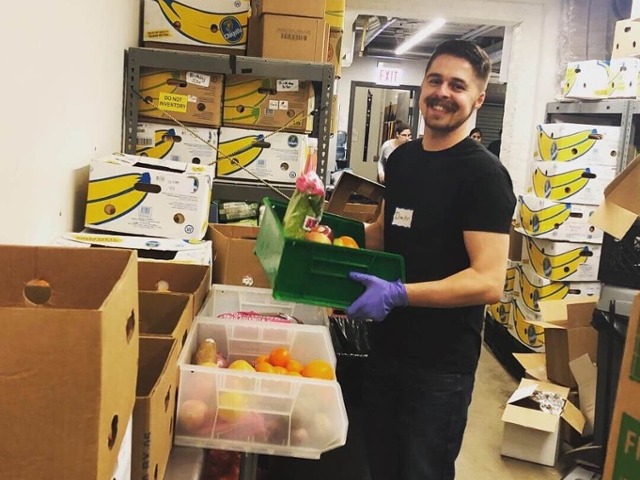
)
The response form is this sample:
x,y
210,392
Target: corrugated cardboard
x,y
123,464
586,374
535,365
155,406
174,277
531,434
234,262
166,315
621,205
622,459
68,360
309,8
349,184
568,335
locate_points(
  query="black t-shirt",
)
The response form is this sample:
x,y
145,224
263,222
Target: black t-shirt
x,y
431,198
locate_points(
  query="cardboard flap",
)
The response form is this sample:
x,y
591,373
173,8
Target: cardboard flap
x,y
535,364
523,391
583,370
527,417
621,205
567,313
573,416
350,183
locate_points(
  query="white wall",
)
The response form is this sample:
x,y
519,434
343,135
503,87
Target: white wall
x,y
61,84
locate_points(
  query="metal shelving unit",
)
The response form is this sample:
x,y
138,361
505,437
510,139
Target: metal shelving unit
x,y
620,113
321,74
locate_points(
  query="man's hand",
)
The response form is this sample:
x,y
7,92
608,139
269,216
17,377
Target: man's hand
x,y
379,298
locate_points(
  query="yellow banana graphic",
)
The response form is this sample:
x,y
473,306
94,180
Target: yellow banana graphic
x,y
545,220
163,143
500,311
560,186
570,80
209,28
152,83
510,279
567,147
242,99
239,149
613,83
556,267
532,294
112,197
528,332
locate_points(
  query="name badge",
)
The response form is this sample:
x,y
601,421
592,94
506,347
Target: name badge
x,y
402,217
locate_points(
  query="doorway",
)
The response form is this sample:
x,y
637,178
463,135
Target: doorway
x,y
373,112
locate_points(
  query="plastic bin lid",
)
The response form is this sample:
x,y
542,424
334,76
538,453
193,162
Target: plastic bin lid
x,y
622,299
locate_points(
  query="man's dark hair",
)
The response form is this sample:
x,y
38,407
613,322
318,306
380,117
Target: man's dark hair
x,y
401,127
466,50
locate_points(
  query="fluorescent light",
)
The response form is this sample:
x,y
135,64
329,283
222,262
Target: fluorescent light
x,y
420,35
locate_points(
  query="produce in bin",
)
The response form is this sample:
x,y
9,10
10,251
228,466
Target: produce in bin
x,y
305,207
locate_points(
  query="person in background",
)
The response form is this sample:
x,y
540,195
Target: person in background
x,y
494,147
447,210
402,135
476,134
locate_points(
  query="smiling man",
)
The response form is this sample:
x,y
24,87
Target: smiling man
x,y
448,209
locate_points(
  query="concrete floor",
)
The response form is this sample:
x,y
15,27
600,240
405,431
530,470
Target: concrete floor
x,y
480,456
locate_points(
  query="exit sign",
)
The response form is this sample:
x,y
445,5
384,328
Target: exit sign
x,y
389,76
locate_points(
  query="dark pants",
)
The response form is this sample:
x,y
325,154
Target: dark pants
x,y
414,420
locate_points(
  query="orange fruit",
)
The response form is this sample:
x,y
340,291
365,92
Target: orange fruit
x,y
260,359
318,369
294,374
279,357
264,367
294,366
280,370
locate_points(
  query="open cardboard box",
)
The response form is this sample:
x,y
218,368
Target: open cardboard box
x,y
531,434
534,364
568,335
166,315
349,184
621,205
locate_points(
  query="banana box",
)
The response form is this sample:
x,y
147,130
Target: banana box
x,y
334,13
221,25
269,103
188,96
501,311
532,288
511,277
575,182
150,249
176,143
334,53
142,196
625,39
275,157
567,142
598,79
526,326
562,261
541,218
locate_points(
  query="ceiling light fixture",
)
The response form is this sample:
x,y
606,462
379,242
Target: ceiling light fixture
x,y
420,35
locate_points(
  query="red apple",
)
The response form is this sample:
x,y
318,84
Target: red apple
x,y
318,237
325,230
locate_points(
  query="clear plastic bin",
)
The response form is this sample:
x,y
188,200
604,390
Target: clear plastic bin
x,y
230,298
259,412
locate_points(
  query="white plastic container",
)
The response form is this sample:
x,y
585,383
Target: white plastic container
x,y
230,299
259,412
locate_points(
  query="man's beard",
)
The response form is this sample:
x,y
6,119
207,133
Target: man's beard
x,y
449,108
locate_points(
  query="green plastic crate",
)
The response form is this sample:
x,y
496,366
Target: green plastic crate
x,y
315,273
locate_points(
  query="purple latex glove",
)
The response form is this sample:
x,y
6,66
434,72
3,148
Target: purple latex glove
x,y
379,298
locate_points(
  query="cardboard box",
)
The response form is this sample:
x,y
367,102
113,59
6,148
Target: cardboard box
x,y
515,244
622,460
575,182
626,39
501,311
569,142
334,13
166,315
288,38
68,360
526,326
194,280
568,335
155,406
310,8
534,364
149,249
598,79
281,161
269,103
530,433
586,375
175,24
350,184
142,196
234,262
541,218
157,140
562,261
122,470
531,288
621,205
334,52
190,97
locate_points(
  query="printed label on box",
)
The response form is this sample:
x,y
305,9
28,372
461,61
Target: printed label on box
x,y
172,102
198,79
627,463
287,85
